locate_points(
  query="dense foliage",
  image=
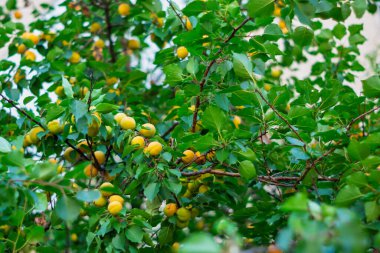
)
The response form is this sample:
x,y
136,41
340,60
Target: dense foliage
x,y
204,147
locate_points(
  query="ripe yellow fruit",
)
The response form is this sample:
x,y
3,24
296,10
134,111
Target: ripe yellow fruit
x,y
148,130
133,44
55,127
83,146
93,128
154,148
27,141
111,80
99,43
104,189
115,207
70,155
21,49
277,11
187,194
30,36
175,247
203,189
170,209
188,24
188,156
33,134
60,91
182,52
95,27
236,121
182,224
74,237
102,201
127,123
138,141
124,9
183,214
75,57
60,169
90,171
119,116
276,72
18,76
160,22
205,44
100,157
17,14
117,198
30,56
267,87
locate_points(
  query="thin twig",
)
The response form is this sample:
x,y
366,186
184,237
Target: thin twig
x,y
177,14
360,117
170,130
109,31
208,68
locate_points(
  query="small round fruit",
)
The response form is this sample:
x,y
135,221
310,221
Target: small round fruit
x,y
175,247
138,141
182,52
128,123
116,198
100,157
111,81
99,43
188,156
27,141
203,189
30,56
148,130
267,87
114,207
90,171
188,24
133,44
119,116
95,27
276,72
124,9
105,189
75,57
154,148
170,209
60,91
30,36
55,127
74,237
183,214
182,224
17,14
83,146
201,159
33,134
102,201
70,155
21,49
236,121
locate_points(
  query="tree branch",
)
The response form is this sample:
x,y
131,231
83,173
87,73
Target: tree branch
x,y
169,130
205,75
177,14
109,31
360,117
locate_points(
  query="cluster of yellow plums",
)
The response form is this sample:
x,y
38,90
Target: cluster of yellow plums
x,y
115,202
183,214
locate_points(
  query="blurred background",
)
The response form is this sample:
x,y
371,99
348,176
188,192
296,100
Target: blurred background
x,y
370,50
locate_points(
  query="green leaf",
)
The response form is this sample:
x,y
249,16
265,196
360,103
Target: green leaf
x,y
88,195
192,66
5,146
247,170
260,8
242,66
372,211
201,243
303,36
53,112
151,191
134,234
359,6
173,74
242,97
165,235
67,88
106,108
371,86
339,31
357,150
347,195
214,118
11,4
79,109
67,208
298,202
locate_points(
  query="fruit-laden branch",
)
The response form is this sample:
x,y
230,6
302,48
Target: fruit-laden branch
x,y
96,162
177,14
109,31
265,179
360,117
40,125
282,118
205,75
